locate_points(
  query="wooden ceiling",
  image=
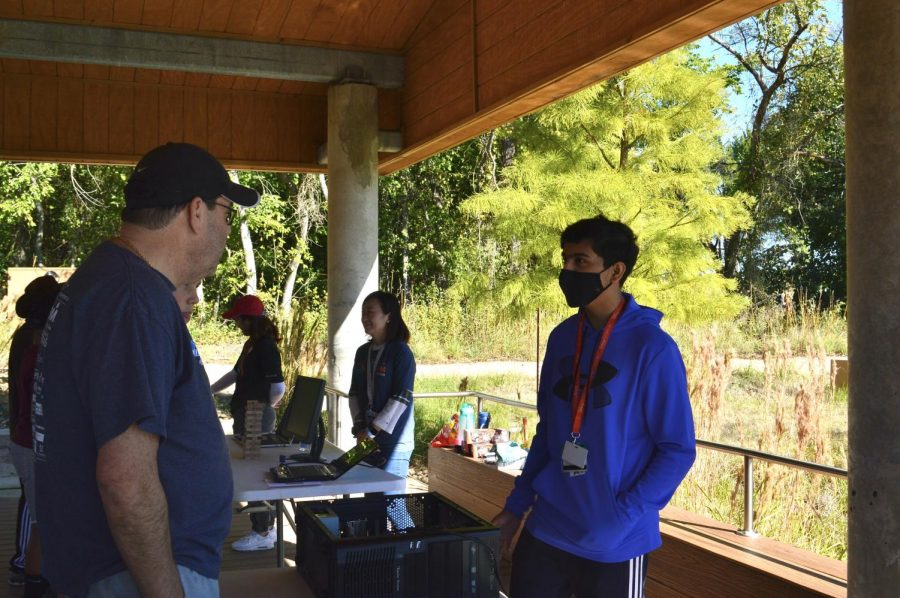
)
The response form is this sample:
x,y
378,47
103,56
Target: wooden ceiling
x,y
468,66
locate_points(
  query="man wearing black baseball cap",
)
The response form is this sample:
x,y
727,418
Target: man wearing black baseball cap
x,y
133,479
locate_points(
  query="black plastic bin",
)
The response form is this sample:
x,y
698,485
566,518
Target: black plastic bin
x,y
407,545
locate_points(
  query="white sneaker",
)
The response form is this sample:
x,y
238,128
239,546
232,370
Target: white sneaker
x,y
255,541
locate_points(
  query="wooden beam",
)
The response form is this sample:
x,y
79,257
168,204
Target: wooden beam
x,y
195,54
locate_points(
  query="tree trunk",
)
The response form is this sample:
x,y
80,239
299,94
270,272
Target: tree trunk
x,y
732,250
404,233
39,233
288,292
507,151
309,213
756,173
249,258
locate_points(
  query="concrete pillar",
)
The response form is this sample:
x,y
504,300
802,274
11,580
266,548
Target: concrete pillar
x,y
352,234
872,87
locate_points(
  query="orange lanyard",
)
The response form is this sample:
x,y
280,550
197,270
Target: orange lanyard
x,y
579,392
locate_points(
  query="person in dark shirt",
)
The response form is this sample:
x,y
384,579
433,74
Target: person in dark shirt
x,y
381,386
34,305
124,425
256,377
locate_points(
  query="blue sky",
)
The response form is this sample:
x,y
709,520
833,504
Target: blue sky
x,y
743,104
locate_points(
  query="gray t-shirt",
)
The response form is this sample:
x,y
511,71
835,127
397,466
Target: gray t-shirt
x,y
116,352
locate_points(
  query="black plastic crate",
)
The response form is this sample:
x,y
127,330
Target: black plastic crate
x,y
407,545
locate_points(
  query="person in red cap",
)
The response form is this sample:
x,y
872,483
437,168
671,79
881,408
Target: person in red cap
x,y
256,377
123,422
34,306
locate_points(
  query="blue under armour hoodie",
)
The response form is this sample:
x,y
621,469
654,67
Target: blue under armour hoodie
x,y
638,430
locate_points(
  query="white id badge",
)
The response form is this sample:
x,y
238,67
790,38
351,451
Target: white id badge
x,y
574,458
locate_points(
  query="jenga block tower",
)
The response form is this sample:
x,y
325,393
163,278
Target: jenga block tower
x,y
252,428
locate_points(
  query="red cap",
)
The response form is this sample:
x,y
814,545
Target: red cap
x,y
248,305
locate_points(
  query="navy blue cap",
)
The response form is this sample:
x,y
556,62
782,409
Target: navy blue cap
x,y
175,173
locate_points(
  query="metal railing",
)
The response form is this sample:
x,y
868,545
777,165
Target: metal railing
x,y
748,454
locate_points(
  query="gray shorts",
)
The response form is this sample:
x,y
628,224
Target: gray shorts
x,y
121,585
23,461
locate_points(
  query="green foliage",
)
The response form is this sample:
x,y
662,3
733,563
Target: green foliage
x,y
286,224
422,232
791,158
44,209
444,329
639,148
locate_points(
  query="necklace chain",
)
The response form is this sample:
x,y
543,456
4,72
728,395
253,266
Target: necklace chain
x,y
123,242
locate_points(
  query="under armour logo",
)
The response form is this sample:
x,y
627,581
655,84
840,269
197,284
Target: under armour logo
x,y
605,372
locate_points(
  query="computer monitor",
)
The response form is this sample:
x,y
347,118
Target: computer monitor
x,y
302,420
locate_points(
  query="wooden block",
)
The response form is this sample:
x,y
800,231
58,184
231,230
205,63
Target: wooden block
x,y
252,428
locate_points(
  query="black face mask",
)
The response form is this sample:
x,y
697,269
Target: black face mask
x,y
581,288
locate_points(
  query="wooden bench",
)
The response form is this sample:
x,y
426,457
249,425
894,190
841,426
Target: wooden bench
x,y
699,556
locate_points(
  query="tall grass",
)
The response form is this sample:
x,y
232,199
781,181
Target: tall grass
x,y
444,330
795,323
303,343
790,408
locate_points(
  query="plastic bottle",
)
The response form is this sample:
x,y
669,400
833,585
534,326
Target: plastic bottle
x,y
466,417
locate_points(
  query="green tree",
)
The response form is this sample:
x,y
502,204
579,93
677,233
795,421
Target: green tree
x,y
775,50
802,148
281,232
55,214
423,236
638,148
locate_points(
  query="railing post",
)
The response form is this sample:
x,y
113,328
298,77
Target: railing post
x,y
479,407
748,499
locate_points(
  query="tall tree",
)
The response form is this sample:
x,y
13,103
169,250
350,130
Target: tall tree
x,y
423,234
288,220
639,148
44,209
774,49
802,150
308,196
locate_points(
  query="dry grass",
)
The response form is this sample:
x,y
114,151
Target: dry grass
x,y
790,408
303,344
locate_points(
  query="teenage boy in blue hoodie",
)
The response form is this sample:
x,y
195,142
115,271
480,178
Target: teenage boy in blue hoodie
x,y
615,436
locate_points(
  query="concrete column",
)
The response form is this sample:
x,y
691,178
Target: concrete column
x,y
352,234
872,88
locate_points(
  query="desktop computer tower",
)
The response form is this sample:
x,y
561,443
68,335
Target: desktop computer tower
x,y
396,546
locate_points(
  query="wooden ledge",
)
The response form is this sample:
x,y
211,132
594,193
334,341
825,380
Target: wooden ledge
x,y
743,566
